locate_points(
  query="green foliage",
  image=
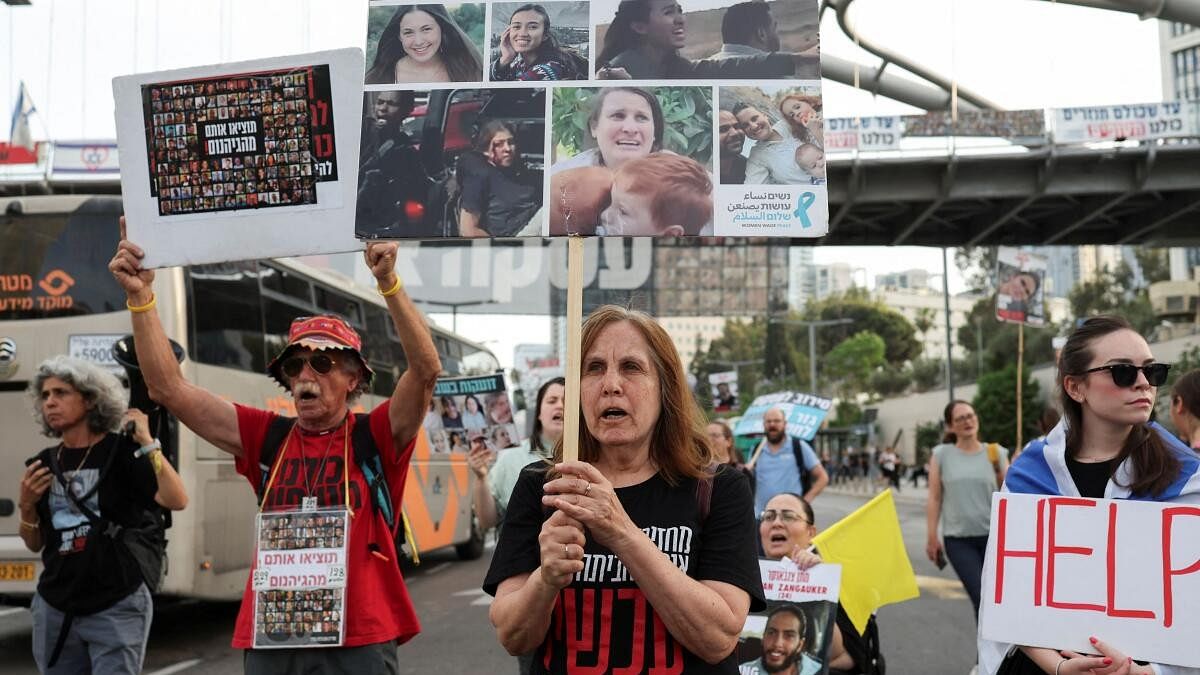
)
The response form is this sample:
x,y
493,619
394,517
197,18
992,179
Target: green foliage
x,y
687,113
1113,291
469,18
868,314
1000,339
929,434
889,381
927,374
978,265
1155,264
996,404
853,360
846,413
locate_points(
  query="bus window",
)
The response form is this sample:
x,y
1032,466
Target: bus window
x,y
56,264
226,316
336,303
287,283
383,351
277,319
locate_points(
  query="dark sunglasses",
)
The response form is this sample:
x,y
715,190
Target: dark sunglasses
x,y
320,363
1125,374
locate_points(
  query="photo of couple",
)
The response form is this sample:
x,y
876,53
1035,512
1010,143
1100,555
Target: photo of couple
x,y
771,137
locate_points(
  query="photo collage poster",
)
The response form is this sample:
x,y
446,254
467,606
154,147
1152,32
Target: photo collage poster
x,y
795,632
257,157
471,412
299,579
609,117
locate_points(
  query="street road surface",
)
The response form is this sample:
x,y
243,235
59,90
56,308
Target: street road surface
x,y
933,634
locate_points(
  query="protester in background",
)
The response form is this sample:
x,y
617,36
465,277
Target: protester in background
x,y
92,609
720,439
1185,408
786,528
529,51
784,463
1107,447
888,463
421,43
963,475
323,367
633,499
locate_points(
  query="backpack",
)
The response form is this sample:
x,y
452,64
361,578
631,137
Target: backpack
x,y
366,456
864,648
798,453
993,453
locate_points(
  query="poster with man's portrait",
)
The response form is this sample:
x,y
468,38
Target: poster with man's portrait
x,y
794,636
243,160
724,390
1020,281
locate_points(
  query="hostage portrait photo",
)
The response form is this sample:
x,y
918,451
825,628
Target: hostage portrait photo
x,y
665,39
1019,293
620,169
451,163
424,43
538,42
771,135
788,639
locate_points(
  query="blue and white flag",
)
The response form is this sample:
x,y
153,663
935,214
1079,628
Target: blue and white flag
x,y
18,131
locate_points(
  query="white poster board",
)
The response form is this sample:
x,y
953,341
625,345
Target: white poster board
x,y
1061,569
244,160
798,601
1020,286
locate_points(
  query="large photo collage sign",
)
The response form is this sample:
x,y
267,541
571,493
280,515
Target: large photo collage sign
x,y
610,117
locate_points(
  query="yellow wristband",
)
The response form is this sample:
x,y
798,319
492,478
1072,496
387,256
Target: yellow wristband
x,y
138,309
393,290
156,460
31,526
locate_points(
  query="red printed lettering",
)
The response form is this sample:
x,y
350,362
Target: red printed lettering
x,y
1169,573
1112,573
1053,551
1002,553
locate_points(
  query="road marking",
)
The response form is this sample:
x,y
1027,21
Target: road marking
x,y
469,591
182,665
12,610
437,568
482,601
485,601
944,589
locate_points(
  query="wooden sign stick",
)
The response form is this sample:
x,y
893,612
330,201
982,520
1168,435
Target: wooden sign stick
x,y
574,326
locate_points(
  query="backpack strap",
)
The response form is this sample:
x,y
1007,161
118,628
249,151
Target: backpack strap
x,y
277,430
370,462
798,453
993,452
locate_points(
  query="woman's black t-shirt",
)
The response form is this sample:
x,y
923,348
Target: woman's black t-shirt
x,y
83,573
1091,478
602,621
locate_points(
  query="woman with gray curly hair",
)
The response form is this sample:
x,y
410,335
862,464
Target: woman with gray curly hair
x,y
92,609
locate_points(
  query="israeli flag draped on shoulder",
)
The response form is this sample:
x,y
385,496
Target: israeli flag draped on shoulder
x,y
1042,469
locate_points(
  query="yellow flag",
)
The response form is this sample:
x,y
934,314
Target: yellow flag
x,y
875,567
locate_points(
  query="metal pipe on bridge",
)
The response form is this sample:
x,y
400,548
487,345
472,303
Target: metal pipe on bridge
x,y
1183,11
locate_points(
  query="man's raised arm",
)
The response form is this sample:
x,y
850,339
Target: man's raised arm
x,y
414,390
209,416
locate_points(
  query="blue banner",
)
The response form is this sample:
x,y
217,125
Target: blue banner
x,y
805,413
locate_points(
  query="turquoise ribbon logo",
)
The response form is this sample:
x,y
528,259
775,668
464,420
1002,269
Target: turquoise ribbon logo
x,y
802,205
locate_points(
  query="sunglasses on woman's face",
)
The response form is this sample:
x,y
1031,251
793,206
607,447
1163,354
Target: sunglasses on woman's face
x,y
1125,374
320,363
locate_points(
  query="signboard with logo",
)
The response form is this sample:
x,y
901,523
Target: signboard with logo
x,y
83,160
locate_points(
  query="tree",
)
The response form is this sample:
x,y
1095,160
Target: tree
x,y
1155,264
978,265
867,314
996,405
923,322
927,373
853,360
890,381
1000,339
929,434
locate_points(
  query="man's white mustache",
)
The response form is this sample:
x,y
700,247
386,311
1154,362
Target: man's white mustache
x,y
301,388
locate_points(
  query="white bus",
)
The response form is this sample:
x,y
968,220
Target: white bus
x,y
57,296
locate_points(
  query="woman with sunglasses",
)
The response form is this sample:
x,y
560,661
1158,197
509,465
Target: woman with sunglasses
x,y
786,528
963,474
1185,408
1105,446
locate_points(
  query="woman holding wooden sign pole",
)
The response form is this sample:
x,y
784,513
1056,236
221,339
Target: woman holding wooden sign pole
x,y
641,556
1105,447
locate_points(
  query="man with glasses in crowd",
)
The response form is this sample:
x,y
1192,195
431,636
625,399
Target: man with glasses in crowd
x,y
315,461
783,463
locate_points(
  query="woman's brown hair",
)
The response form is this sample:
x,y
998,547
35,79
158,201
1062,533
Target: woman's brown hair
x,y
1187,389
1154,466
678,445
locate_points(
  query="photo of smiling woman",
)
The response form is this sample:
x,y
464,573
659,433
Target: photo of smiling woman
x,y
423,43
531,46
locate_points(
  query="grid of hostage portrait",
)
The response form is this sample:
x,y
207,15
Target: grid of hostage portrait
x,y
285,532
306,617
239,142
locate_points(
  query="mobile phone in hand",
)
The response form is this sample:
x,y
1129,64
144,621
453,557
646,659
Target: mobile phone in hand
x,y
941,560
